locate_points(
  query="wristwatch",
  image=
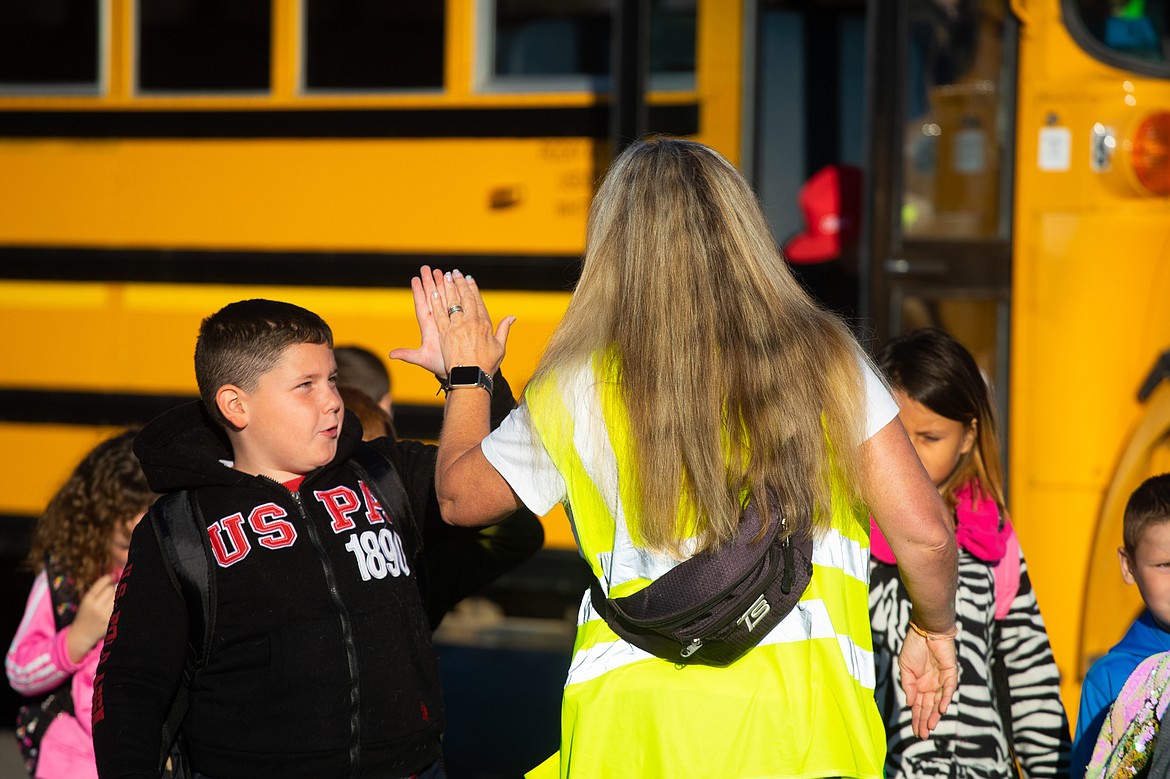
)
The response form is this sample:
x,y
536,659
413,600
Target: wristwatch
x,y
462,376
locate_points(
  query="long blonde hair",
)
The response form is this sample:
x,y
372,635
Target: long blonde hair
x,y
734,380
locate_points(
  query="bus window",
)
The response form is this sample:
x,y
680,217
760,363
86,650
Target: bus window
x,y
1131,28
49,46
953,133
374,45
193,46
976,317
568,44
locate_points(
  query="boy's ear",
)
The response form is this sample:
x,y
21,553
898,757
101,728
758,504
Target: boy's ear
x,y
1126,565
231,401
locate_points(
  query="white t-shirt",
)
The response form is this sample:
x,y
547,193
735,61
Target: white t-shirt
x,y
514,450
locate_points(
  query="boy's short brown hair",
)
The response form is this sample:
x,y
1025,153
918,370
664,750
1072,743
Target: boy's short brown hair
x,y
243,340
1149,504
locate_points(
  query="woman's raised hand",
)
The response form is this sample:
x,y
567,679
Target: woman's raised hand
x,y
465,331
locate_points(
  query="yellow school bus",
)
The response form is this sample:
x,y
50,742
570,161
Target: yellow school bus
x,y
160,158
1021,199
1091,277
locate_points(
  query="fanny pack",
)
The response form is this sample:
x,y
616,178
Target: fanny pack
x,y
715,606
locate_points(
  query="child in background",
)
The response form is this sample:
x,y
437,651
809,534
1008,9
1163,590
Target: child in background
x,y
1007,707
376,423
1131,742
361,369
1143,558
79,548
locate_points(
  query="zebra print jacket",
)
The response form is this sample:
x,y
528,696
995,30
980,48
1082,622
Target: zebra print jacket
x,y
971,741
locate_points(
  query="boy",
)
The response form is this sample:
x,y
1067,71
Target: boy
x,y
320,663
1145,561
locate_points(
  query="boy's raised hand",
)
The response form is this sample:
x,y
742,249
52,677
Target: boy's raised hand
x,y
429,354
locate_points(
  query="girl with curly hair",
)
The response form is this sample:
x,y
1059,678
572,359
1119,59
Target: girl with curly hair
x,y
78,550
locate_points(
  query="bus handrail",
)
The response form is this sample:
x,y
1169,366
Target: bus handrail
x,y
1159,373
1021,12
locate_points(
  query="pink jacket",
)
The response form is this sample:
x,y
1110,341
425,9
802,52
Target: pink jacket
x,y
38,661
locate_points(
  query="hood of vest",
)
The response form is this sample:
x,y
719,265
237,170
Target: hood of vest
x,y
184,448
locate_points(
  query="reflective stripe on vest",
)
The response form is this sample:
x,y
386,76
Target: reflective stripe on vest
x,y
809,620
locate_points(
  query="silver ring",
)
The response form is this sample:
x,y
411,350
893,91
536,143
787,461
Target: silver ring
x,y
455,309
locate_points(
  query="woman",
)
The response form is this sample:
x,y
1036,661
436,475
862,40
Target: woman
x,y
690,374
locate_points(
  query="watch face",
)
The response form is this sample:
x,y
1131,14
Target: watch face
x,y
464,375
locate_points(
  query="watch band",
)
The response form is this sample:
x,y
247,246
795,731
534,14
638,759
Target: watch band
x,y
466,376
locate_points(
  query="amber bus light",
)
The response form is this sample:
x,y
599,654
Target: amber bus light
x,y
1150,153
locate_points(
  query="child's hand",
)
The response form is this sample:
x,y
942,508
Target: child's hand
x,y
93,616
930,676
428,355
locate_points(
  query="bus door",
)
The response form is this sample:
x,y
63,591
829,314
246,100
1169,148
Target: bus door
x,y
940,159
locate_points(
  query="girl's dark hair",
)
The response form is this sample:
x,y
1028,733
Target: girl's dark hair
x,y
933,368
106,489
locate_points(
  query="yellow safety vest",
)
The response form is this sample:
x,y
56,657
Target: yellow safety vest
x,y
799,705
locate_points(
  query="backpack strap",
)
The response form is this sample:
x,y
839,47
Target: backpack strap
x,y
1007,575
375,468
1007,586
178,525
64,600
63,595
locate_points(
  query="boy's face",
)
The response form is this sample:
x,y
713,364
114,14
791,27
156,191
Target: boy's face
x,y
1149,568
292,418
939,441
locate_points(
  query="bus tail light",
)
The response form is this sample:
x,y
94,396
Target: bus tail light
x,y
1150,153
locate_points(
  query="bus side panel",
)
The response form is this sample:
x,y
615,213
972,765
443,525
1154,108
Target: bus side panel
x,y
1089,293
457,195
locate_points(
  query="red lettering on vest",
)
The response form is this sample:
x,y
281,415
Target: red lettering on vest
x,y
274,531
374,512
340,502
233,526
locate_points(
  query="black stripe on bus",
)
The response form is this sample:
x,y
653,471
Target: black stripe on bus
x,y
586,122
16,532
115,409
328,269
